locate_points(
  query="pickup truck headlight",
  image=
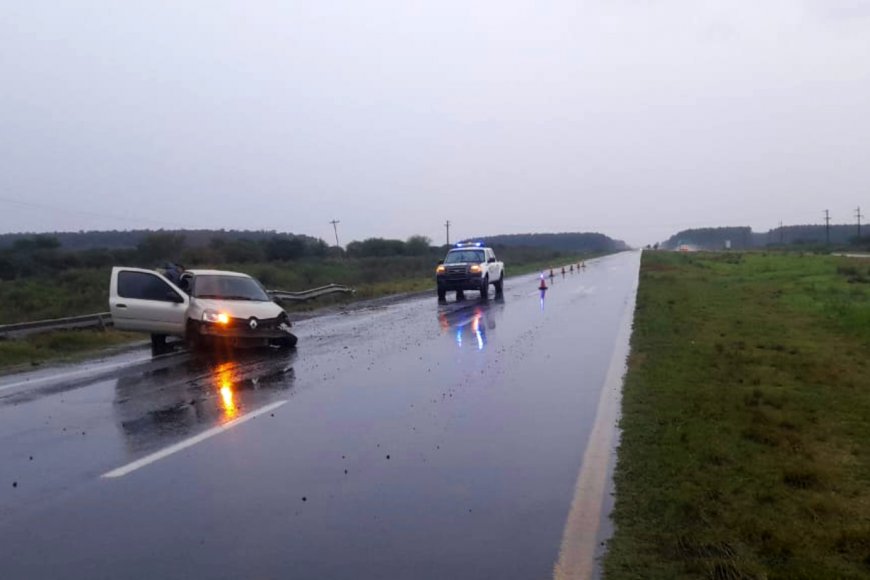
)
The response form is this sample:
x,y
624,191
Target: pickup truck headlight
x,y
474,269
440,269
215,317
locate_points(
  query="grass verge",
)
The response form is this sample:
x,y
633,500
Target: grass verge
x,y
60,345
745,449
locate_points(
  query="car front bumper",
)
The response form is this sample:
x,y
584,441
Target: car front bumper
x,y
242,330
459,282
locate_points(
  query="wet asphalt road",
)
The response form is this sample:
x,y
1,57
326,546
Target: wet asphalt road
x,y
409,441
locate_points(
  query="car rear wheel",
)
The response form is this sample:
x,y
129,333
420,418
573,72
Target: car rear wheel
x,y
499,285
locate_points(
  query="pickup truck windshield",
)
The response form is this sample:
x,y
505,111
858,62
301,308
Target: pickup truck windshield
x,y
460,256
228,288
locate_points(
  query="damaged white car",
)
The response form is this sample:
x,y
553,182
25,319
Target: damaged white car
x,y
205,308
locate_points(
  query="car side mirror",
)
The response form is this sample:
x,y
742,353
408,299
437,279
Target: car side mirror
x,y
440,262
174,297
491,260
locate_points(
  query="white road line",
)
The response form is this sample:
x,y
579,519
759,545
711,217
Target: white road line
x,y
181,445
577,554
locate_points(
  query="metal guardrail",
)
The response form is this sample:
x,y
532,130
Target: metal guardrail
x,y
104,319
99,320
310,294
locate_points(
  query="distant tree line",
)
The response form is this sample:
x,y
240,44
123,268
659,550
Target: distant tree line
x,y
43,254
745,238
25,256
380,247
566,241
36,255
130,239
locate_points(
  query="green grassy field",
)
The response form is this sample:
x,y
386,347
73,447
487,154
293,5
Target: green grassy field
x,y
745,450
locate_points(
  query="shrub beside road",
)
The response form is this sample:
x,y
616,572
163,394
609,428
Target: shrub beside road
x,y
745,449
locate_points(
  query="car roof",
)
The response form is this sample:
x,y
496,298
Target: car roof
x,y
464,248
216,273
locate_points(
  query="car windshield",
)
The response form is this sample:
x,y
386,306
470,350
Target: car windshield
x,y
461,256
228,288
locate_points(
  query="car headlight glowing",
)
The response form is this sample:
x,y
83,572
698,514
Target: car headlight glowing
x,y
440,269
215,317
475,268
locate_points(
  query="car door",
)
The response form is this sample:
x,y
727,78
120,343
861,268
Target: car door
x,y
145,301
491,268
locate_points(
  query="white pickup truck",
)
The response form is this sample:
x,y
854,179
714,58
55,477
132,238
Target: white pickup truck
x,y
204,307
469,266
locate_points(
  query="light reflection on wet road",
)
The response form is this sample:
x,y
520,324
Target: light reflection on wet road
x,y
417,441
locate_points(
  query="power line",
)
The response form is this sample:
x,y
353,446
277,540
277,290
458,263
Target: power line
x,y
335,227
827,228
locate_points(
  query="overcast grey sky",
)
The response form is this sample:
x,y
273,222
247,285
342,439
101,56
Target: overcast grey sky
x,y
630,117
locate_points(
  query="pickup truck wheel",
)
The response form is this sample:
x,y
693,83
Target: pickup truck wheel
x,y
484,288
460,295
442,294
499,285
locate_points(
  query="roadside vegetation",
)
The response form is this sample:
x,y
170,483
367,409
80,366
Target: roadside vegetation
x,y
65,345
745,449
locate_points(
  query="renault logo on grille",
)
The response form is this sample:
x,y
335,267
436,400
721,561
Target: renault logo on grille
x,y
253,324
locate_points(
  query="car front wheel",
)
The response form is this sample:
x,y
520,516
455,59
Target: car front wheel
x,y
288,341
158,344
192,338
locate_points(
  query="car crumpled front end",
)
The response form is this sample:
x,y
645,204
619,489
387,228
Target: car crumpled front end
x,y
245,324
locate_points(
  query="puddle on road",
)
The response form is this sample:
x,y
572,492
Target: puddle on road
x,y
155,407
469,322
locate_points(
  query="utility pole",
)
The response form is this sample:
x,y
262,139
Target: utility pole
x,y
859,216
447,225
335,227
780,234
827,228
